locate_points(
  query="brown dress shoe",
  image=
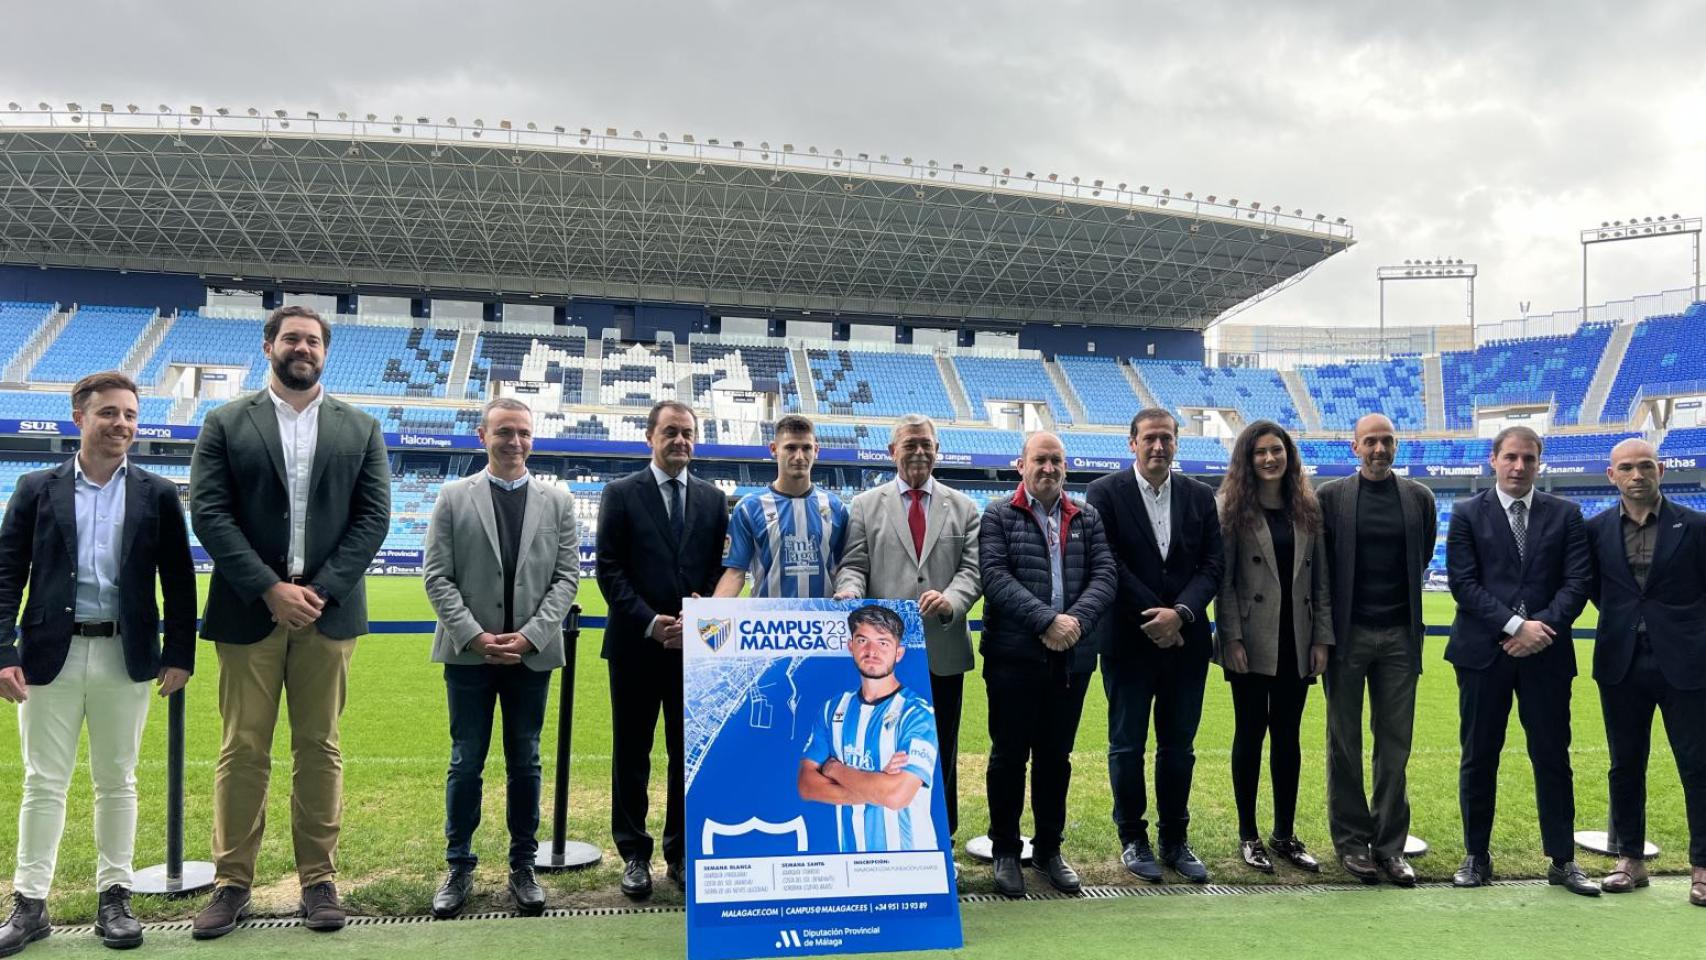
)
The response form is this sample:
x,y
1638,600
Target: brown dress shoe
x,y
1398,871
321,909
221,914
1629,875
1360,866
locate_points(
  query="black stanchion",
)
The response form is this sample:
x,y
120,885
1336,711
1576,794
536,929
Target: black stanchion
x,y
562,853
175,877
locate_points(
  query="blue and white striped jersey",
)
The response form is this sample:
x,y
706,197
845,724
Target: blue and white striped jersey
x,y
865,736
790,545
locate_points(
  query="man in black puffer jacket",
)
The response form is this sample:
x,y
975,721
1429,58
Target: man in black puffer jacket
x,y
1047,576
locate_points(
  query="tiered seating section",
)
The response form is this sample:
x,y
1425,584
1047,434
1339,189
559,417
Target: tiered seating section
x,y
1344,392
1663,352
195,339
1555,370
1254,393
19,320
748,364
95,338
539,359
863,383
989,379
389,361
1103,390
636,375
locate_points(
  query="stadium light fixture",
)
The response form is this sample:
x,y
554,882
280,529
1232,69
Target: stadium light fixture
x,y
1144,189
253,112
163,108
1209,198
505,125
280,114
133,108
344,116
610,131
195,111
106,108
49,107
74,107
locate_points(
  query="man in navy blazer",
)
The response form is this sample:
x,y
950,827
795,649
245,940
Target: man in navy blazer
x,y
89,539
1164,531
1650,653
661,537
1518,564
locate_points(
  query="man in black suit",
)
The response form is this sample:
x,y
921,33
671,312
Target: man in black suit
x,y
660,539
1650,653
1165,535
89,538
290,493
1519,568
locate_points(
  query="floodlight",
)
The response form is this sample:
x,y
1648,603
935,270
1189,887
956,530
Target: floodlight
x,y
638,135
344,116
1054,178
610,131
132,107
14,106
195,111
372,117
687,138
1143,189
48,107
280,114
74,107
505,124
788,148
1210,198
253,112
222,111
478,122
163,108
106,108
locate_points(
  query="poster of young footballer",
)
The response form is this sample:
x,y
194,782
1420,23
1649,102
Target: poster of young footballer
x,y
814,822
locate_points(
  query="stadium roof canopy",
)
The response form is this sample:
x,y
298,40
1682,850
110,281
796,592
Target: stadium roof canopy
x,y
420,207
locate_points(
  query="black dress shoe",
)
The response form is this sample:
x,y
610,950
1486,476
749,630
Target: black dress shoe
x,y
1398,871
1294,853
1060,874
1475,872
1140,860
637,880
1572,878
453,894
1361,867
114,923
27,924
677,874
524,888
1255,856
1009,879
1184,862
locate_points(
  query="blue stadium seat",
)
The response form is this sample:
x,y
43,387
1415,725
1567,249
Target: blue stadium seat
x,y
196,339
1590,447
95,338
19,320
389,361
716,361
1102,387
869,383
1344,392
1009,378
1684,441
1255,393
551,359
1558,370
1665,353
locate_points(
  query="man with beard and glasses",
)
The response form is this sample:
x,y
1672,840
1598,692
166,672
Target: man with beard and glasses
x,y
290,494
872,752
88,540
1381,530
916,539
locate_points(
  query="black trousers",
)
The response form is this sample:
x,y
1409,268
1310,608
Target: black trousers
x,y
948,695
640,686
1033,716
474,691
1171,683
1267,708
1628,707
1484,708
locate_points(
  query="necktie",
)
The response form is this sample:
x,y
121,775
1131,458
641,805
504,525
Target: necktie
x,y
677,522
915,520
1519,530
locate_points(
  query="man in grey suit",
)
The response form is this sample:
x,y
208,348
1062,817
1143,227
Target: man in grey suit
x,y
290,493
498,647
916,539
1381,531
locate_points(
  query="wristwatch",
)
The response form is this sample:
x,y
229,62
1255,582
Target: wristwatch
x,y
1184,613
320,592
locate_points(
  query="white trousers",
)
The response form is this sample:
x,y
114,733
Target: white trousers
x,y
92,686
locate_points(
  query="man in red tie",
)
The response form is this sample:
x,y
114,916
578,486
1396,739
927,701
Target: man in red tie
x,y
916,539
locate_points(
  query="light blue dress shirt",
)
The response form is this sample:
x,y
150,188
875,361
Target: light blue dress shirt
x,y
100,520
1049,520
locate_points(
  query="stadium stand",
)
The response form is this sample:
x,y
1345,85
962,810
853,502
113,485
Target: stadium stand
x,y
637,375
1344,392
390,361
195,339
1254,393
1593,447
542,359
861,383
1102,388
1686,440
716,361
1535,370
1009,378
1665,353
19,320
95,338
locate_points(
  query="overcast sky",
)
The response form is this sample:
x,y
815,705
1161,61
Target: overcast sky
x,y
1438,129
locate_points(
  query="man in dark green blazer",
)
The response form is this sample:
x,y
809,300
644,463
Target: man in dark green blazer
x,y
290,494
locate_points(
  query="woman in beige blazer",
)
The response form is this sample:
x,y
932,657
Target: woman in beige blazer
x,y
1274,624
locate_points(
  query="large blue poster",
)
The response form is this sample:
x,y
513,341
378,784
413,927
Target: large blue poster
x,y
816,822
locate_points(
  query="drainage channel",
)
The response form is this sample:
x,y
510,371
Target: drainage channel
x,y
1090,893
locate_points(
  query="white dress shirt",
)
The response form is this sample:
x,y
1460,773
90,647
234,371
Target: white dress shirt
x,y
662,479
100,518
1505,501
1158,503
298,433
906,489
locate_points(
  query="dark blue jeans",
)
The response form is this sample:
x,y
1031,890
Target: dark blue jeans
x,y
474,691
